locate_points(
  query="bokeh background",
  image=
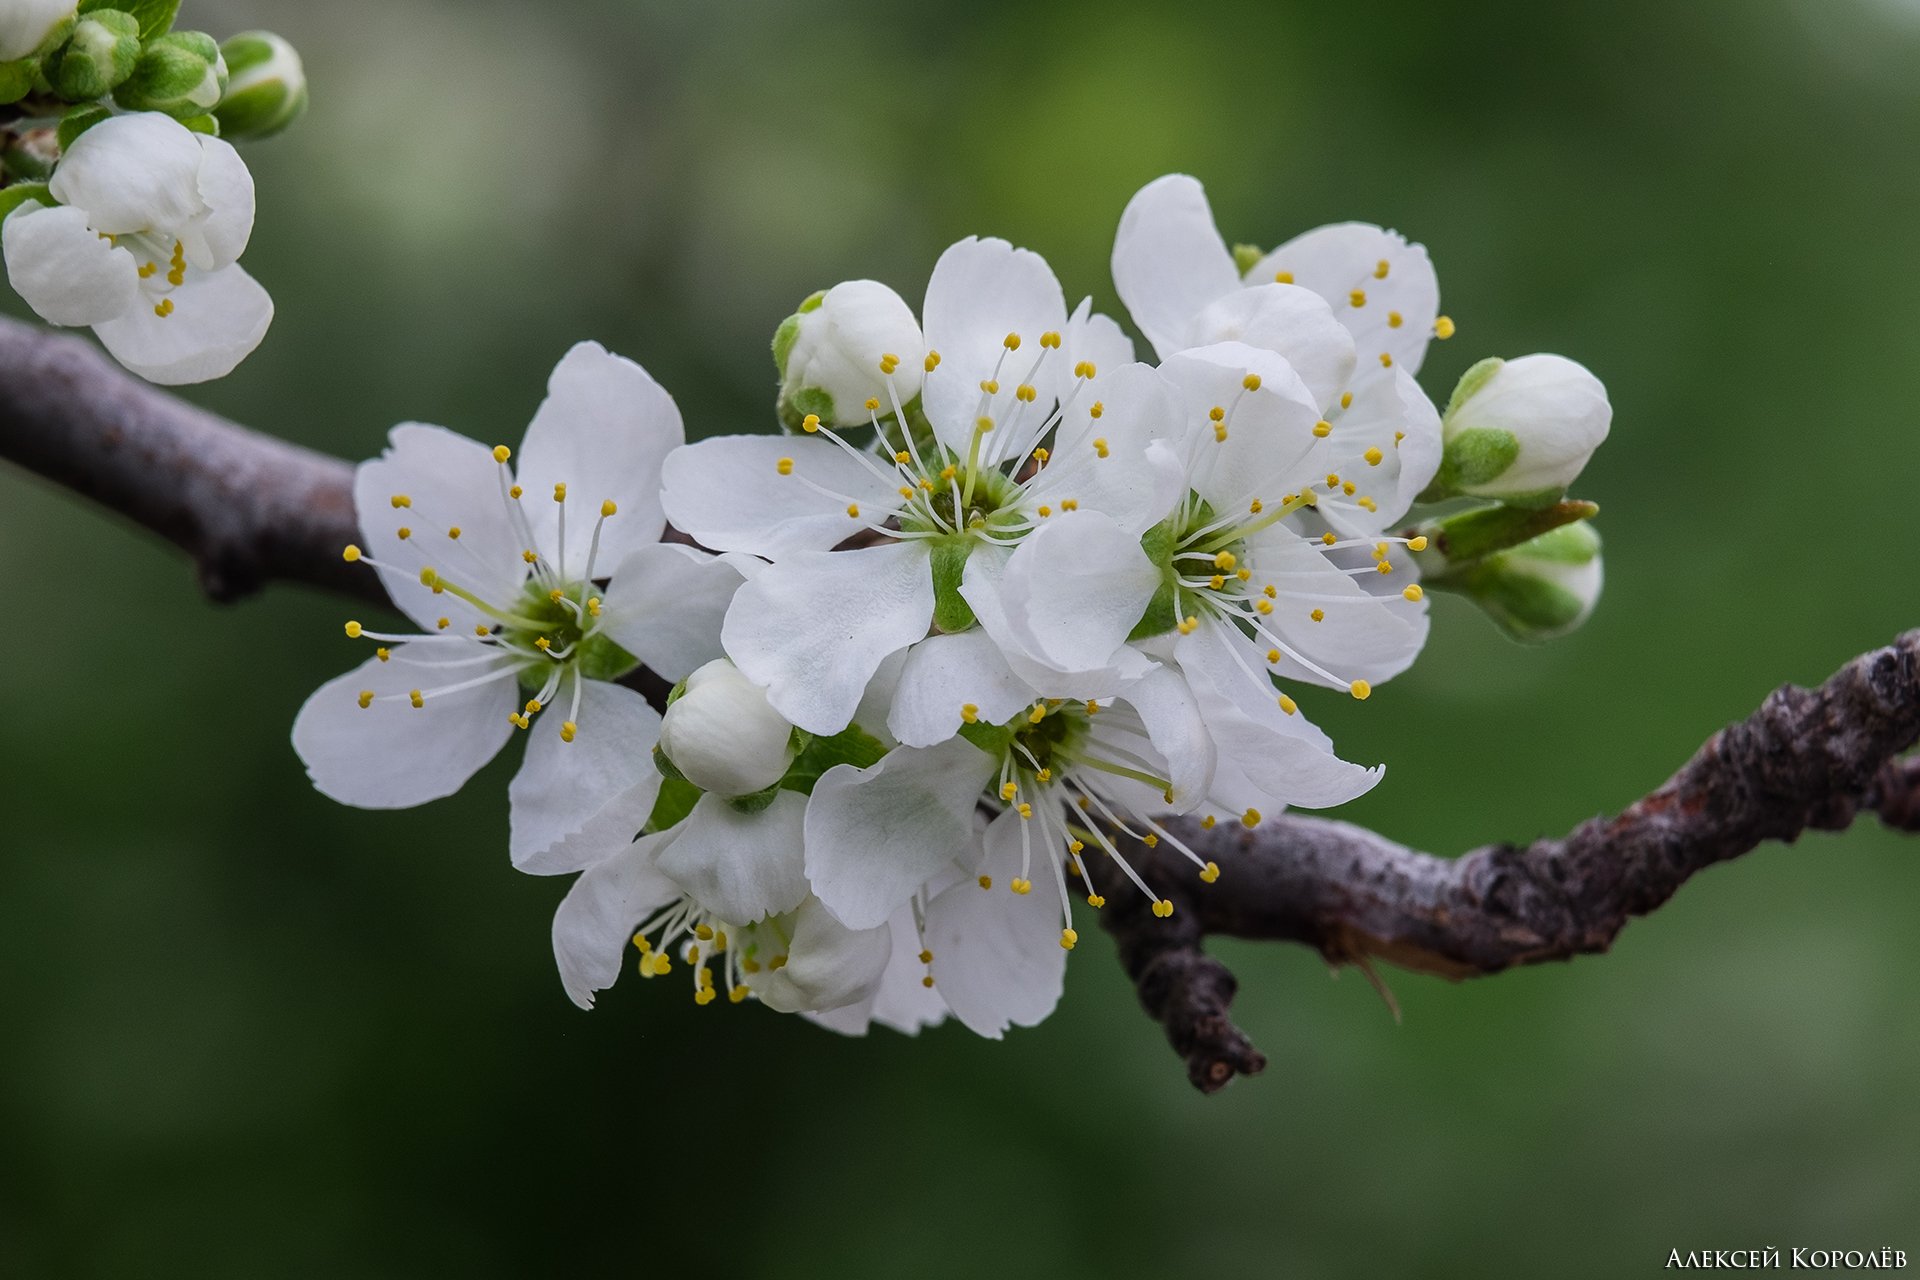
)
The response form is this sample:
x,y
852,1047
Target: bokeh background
x,y
245,1032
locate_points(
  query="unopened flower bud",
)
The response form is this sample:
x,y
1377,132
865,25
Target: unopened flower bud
x,y
97,58
266,86
1522,430
28,27
723,736
856,342
1541,589
181,74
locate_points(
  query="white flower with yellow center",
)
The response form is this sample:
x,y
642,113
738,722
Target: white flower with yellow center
x,y
1184,289
1009,383
503,570
144,246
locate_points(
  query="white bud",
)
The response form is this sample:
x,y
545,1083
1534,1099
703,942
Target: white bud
x,y
1523,429
834,353
723,736
28,26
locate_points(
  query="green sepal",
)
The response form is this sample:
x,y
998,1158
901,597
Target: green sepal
x,y
16,194
16,80
1474,457
756,802
97,58
1471,381
78,120
676,800
1157,618
602,659
852,745
812,302
951,612
203,124
994,739
664,763
783,339
1246,257
1530,609
24,163
266,85
1474,535
154,16
181,74
676,693
794,409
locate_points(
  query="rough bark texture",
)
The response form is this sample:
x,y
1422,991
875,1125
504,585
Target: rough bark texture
x,y
250,509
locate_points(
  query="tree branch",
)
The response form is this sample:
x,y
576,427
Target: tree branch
x,y
249,510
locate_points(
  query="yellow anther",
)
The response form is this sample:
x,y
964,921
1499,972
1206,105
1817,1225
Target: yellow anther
x,y
1093,706
1386,360
736,995
749,965
1368,504
593,606
1328,539
607,509
949,471
454,533
1100,445
905,491
1025,810
529,555
1097,408
1398,436
517,720
986,882
353,631
1068,937
990,386
1283,277
515,492
1417,543
1412,592
1373,456
555,596
1347,488
400,500
1013,342
1225,560
1095,901
1358,297
1217,413
567,730
350,554
1009,790
1394,320
1220,432
501,453
1323,428
1163,908
1050,339
383,653
1038,714
560,492
1263,605
1251,818
926,957
1045,775
1251,382
1188,625
1288,705
417,698
1217,582
1442,328
1041,455
1318,615
1385,566
1270,591
1360,689
932,361
1026,392
704,932
853,509
873,403
1346,399
1021,887
543,643
444,623
784,466
1070,504
404,533
1206,823
1380,270
889,362
1273,656
1210,872
366,699
147,269
810,423
482,629
662,963
1150,840
1086,369
927,981
1074,846
1045,511
428,577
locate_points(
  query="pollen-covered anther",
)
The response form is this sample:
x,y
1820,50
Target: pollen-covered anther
x,y
608,510
454,533
1412,591
1025,810
1021,886
983,424
1097,408
1095,901
1100,446
1361,690
1288,705
889,362
1188,625
986,882
567,730
873,404
501,453
1283,277
1050,340
784,466
350,553
1250,819
1009,790
969,713
383,653
1163,908
932,361
1225,560
164,307
810,423
1323,428
560,492
1085,369
417,698
353,631
1443,327
1373,456
1385,566
366,699
1067,938
1417,543
1038,713
853,509
1026,393
1386,360
1358,298
1012,342
1394,320
1210,872
1380,270
400,500
529,555
404,532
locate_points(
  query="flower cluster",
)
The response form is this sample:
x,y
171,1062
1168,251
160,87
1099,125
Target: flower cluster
x,y
132,210
1001,599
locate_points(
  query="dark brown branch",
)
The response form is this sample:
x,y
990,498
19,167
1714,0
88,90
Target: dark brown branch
x,y
250,510
1807,759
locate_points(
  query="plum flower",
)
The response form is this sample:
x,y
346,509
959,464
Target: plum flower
x,y
1351,306
1009,381
502,570
143,245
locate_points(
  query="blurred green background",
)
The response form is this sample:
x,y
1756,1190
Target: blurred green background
x,y
246,1032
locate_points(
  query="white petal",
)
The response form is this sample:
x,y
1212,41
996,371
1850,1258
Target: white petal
x,y
1334,261
64,269
828,965
218,318
980,586
571,798
1294,323
1383,409
665,605
392,755
594,926
814,628
1360,635
875,835
1097,339
871,714
1270,449
227,188
947,672
1169,261
1284,756
997,957
727,493
135,172
1074,589
450,481
1108,463
741,866
981,291
1176,732
603,431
